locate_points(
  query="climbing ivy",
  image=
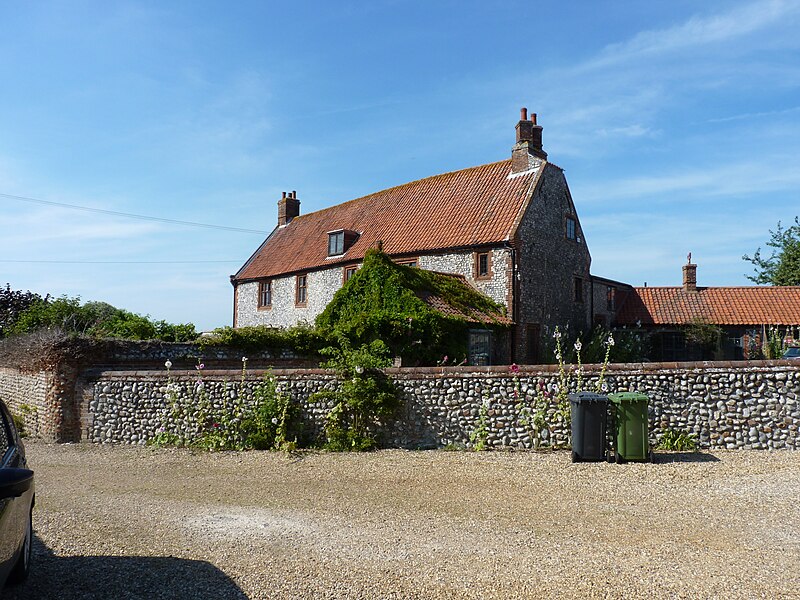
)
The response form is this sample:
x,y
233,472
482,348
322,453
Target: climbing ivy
x,y
385,301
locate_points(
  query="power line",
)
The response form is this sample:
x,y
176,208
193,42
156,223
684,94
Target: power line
x,y
130,215
123,262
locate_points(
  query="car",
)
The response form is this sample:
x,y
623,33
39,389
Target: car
x,y
17,497
792,352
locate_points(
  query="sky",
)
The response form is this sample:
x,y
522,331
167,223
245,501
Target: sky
x,y
677,124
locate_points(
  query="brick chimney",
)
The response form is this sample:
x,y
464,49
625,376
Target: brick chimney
x,y
288,208
689,275
529,143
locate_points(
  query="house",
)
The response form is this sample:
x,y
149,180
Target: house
x,y
741,318
509,228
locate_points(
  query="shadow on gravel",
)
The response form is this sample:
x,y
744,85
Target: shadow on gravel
x,y
121,577
684,457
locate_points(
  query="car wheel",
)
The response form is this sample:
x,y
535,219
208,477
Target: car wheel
x,y
20,570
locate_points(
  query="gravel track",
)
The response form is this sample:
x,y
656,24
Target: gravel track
x,y
133,522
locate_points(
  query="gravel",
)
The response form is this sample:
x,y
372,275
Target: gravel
x,y
132,522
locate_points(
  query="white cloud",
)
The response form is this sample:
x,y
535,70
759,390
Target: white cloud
x,y
740,21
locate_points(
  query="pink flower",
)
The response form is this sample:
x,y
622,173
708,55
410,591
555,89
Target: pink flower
x,y
514,368
200,367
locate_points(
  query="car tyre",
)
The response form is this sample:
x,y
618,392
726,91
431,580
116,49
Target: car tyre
x,y
19,572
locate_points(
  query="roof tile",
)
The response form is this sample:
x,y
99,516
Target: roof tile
x,y
470,207
719,305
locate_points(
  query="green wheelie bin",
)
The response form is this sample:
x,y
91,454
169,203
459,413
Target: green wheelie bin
x,y
631,436
588,423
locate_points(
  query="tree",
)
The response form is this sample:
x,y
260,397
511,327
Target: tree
x,y
12,304
782,267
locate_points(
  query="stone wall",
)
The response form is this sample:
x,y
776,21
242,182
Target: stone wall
x,y
726,405
25,394
52,397
549,263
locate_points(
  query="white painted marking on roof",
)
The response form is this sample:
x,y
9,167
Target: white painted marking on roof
x,y
522,173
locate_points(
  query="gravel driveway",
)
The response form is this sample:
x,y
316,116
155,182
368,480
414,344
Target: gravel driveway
x,y
132,522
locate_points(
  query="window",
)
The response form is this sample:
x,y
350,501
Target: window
x,y
480,347
482,265
408,262
336,243
301,295
578,289
265,294
571,228
611,298
349,272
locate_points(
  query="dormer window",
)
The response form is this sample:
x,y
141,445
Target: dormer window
x,y
340,241
336,243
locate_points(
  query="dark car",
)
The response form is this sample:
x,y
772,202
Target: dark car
x,y
16,503
792,352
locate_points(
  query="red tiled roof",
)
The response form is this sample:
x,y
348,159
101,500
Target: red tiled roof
x,y
464,208
473,315
718,305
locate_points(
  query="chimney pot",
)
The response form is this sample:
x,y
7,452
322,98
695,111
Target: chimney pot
x,y
283,194
529,144
288,208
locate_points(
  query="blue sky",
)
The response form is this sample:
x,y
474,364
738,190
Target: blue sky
x,y
677,123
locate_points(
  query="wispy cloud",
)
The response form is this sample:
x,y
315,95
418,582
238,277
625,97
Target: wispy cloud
x,y
698,30
743,178
756,115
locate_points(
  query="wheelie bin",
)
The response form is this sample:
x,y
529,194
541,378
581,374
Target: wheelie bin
x,y
631,432
588,416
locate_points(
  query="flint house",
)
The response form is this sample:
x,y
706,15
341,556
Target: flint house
x,y
510,228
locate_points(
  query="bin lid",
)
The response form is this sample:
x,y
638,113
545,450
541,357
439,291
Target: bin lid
x,y
587,397
628,397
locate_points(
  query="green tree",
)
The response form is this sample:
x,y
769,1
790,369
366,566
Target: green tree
x,y
12,304
782,267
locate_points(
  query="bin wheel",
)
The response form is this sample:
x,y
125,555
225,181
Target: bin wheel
x,y
618,458
574,456
610,457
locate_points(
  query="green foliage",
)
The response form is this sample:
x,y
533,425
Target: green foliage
x,y
19,424
782,267
774,343
365,394
480,434
303,339
12,304
97,319
62,312
264,421
704,334
383,301
672,439
630,345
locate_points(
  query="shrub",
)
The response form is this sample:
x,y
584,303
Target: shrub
x,y
672,439
364,396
